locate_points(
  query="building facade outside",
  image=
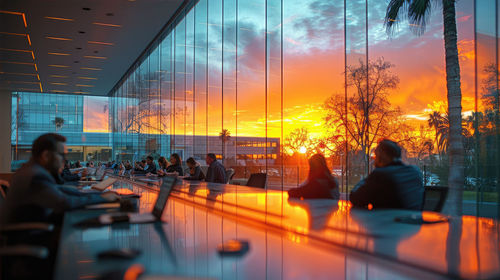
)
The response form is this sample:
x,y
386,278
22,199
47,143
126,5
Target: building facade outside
x,y
34,114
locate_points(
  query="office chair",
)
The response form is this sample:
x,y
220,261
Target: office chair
x,y
434,198
257,180
23,250
4,186
229,174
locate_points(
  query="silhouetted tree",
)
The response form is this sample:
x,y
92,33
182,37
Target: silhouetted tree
x,y
296,139
369,115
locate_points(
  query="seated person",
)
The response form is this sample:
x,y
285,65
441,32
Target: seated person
x,y
35,195
392,184
69,176
175,165
319,184
128,167
163,165
138,166
216,172
195,172
149,167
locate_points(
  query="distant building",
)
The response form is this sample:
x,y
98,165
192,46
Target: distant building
x,y
34,114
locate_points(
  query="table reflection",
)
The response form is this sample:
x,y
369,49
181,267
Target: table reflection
x,y
282,231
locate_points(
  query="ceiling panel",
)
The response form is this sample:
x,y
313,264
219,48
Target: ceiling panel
x,y
75,46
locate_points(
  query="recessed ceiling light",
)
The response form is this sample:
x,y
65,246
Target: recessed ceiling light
x,y
90,68
96,57
11,13
110,14
60,18
21,74
58,76
78,48
16,50
76,61
13,34
87,78
59,84
96,51
79,85
100,43
58,66
54,53
58,38
106,24
81,32
21,82
15,62
86,9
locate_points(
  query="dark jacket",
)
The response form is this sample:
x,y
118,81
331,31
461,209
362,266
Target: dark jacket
x,y
36,196
216,173
151,168
175,168
197,174
67,176
321,187
394,186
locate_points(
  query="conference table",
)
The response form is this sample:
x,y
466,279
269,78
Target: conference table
x,y
288,238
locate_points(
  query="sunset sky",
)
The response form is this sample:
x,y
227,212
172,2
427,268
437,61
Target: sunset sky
x,y
313,64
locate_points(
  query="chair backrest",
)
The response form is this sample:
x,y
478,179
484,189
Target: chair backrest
x,y
7,176
4,186
434,198
229,174
257,180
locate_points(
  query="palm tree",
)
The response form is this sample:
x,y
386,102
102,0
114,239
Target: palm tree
x,y
418,12
440,125
224,136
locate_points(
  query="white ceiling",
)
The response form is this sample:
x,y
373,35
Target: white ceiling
x,y
74,49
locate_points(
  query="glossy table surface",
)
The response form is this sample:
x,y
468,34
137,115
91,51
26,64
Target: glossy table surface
x,y
289,238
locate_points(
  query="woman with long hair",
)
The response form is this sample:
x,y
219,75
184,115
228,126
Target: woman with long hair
x,y
195,172
175,165
163,164
320,183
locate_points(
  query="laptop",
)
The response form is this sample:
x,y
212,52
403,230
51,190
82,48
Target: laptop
x,y
101,186
140,218
99,176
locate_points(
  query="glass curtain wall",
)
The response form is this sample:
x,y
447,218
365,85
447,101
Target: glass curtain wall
x,y
266,84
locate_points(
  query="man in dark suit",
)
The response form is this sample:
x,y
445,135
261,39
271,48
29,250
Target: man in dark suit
x,y
35,194
392,184
216,173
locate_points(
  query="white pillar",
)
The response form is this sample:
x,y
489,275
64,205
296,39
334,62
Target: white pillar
x,y
5,126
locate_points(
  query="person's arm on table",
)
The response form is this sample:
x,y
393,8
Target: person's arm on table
x,y
49,195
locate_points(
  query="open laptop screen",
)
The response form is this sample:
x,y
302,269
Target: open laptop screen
x,y
161,201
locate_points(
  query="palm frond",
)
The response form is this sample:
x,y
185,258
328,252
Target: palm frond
x,y
416,11
418,15
392,15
